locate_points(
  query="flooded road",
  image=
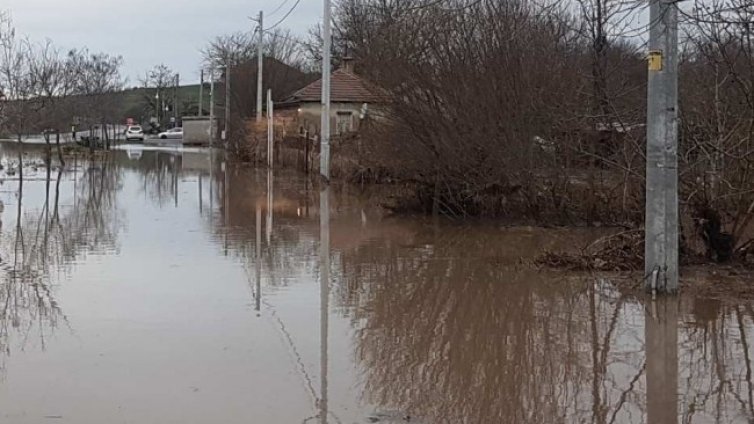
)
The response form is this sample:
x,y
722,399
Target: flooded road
x,y
173,287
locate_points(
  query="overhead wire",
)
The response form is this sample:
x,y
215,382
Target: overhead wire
x,y
295,5
277,9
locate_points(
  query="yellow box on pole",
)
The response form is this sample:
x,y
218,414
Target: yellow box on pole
x,y
655,60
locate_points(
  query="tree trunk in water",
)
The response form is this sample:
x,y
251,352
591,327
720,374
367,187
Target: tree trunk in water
x,y
91,141
48,150
60,150
106,141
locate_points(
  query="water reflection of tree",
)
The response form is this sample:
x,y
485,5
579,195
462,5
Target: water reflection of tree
x,y
448,336
160,178
46,240
294,241
716,368
451,337
451,328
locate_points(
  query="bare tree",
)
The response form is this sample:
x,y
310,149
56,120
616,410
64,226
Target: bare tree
x,y
96,78
160,80
717,103
241,47
19,103
52,84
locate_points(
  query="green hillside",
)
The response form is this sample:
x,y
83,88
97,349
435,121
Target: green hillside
x,y
135,102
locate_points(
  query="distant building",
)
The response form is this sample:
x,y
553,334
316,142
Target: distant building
x,y
352,98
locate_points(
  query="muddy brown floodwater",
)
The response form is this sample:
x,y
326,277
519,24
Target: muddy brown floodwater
x,y
172,287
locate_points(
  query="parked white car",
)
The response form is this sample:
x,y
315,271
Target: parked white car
x,y
174,133
134,132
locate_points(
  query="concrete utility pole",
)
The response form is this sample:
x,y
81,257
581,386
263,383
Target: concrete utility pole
x,y
226,133
211,108
260,65
270,130
175,98
201,92
661,238
324,160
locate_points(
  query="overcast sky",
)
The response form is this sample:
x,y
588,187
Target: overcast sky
x,y
149,32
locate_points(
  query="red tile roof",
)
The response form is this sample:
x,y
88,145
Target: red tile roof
x,y
346,87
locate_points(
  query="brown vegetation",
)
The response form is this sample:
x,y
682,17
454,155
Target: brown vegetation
x,y
520,110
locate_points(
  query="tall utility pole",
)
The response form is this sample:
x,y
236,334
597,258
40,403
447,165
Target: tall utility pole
x,y
211,108
175,98
260,65
270,130
201,92
226,133
661,238
324,160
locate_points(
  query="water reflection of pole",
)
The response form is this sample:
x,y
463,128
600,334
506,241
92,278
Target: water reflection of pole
x,y
258,262
211,179
226,203
324,257
270,199
661,341
19,211
175,182
75,180
226,190
201,199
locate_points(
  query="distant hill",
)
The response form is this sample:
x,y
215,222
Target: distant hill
x,y
134,102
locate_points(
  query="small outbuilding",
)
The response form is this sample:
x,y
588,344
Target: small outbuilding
x,y
352,98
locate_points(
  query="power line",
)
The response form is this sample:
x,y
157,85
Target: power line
x,y
277,9
295,5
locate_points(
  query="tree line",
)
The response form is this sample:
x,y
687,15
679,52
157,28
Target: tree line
x,y
536,111
46,90
527,110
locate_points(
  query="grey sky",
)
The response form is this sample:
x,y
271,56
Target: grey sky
x,y
149,32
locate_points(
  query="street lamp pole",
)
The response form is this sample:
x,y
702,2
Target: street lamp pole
x,y
158,107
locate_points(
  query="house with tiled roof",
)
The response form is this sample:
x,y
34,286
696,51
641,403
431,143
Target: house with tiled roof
x,y
351,99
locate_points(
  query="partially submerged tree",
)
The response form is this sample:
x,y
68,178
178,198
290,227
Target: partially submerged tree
x,y
52,82
96,78
15,78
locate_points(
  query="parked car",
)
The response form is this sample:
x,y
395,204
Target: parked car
x,y
172,133
134,132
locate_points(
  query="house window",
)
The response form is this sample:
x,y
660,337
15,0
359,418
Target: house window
x,y
344,122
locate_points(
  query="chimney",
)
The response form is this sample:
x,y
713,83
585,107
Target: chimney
x,y
347,64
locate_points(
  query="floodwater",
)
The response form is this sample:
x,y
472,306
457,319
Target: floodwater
x,y
173,287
